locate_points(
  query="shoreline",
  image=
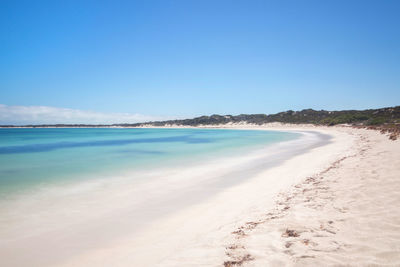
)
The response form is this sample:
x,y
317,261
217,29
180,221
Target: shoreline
x,y
200,234
281,216
167,192
233,228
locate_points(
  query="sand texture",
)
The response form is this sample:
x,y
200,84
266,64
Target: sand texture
x,y
347,214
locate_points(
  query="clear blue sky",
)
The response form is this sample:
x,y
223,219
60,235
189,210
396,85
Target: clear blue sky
x,y
194,57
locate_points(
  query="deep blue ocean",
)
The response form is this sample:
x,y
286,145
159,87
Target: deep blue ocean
x,y
31,158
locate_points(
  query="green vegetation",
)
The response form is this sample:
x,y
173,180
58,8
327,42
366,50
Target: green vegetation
x,y
320,117
388,117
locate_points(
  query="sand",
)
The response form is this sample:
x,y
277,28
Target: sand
x,y
346,214
335,204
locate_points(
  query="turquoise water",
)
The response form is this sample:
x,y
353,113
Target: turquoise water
x,y
31,158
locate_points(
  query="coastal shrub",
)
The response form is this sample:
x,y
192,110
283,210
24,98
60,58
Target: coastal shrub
x,y
344,118
376,121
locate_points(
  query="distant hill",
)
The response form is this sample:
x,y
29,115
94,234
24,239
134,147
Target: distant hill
x,y
383,117
367,117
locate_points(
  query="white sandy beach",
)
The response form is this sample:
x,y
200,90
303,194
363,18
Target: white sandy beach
x,y
340,200
335,204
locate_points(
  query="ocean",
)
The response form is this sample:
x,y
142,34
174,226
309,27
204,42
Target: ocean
x,y
33,158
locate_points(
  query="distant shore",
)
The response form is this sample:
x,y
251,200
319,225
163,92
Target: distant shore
x,y
386,120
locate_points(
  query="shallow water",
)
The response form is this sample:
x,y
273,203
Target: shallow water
x,y
79,190
34,158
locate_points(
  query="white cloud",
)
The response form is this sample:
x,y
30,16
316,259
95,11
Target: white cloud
x,y
20,115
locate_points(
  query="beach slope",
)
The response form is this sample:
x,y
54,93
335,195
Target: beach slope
x,y
332,205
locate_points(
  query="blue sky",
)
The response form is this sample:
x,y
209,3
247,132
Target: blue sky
x,y
189,58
